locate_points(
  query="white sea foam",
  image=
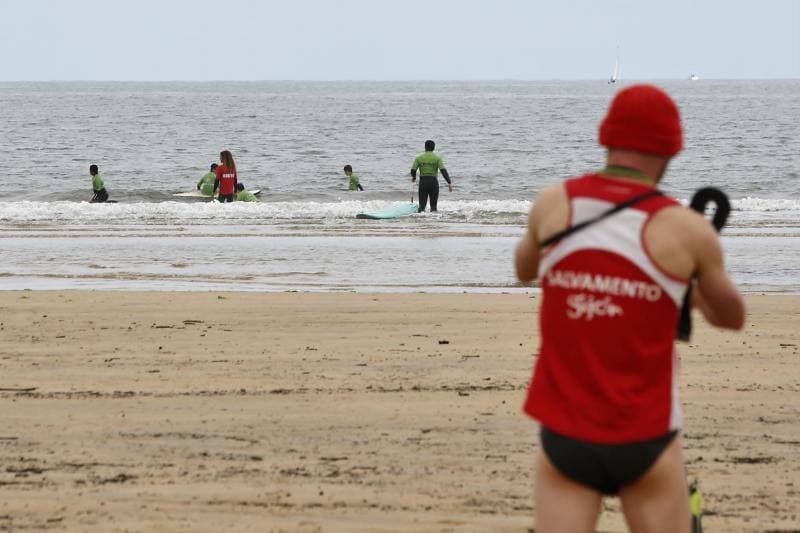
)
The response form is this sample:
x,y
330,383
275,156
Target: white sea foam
x,y
765,204
476,211
206,212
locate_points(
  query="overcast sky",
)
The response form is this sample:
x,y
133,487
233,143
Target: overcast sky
x,y
397,39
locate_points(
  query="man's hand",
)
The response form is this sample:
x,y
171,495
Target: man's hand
x,y
413,179
450,187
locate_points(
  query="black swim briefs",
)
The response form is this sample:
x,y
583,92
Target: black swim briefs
x,y
603,467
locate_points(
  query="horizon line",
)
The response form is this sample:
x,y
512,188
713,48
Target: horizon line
x,y
378,80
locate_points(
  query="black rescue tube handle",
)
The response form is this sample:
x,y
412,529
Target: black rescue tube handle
x,y
699,202
711,194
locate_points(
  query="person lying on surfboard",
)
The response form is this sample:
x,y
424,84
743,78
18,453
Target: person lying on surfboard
x,y
243,195
355,185
98,186
206,183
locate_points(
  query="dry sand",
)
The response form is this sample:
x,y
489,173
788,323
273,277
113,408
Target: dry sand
x,y
342,412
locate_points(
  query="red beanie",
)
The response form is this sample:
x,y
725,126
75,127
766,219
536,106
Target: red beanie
x,y
643,118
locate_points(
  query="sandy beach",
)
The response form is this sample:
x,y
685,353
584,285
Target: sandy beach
x,y
196,411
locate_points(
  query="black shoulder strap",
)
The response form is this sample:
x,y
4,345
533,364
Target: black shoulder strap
x,y
616,209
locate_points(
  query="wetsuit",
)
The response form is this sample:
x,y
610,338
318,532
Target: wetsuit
x,y
355,184
429,165
226,182
428,188
99,188
206,184
605,385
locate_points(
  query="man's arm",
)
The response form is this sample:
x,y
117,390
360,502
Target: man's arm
x,y
360,188
446,175
549,214
527,256
414,168
715,295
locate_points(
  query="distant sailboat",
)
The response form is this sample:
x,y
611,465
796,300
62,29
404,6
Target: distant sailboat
x,y
615,74
694,77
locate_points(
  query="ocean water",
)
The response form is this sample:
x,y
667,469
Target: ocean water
x,y
502,141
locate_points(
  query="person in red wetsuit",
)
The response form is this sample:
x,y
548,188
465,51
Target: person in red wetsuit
x,y
605,384
226,177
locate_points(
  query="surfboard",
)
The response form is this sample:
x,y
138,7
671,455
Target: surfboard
x,y
392,212
199,194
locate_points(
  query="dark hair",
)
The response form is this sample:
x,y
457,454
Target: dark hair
x,y
429,146
226,158
348,168
240,186
92,169
214,166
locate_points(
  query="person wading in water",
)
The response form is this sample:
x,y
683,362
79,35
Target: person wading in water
x,y
429,165
226,177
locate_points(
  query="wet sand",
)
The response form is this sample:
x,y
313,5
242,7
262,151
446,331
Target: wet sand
x,y
342,412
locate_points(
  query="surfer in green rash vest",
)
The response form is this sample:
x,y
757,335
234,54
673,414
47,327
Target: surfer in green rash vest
x,y
98,186
243,195
355,185
206,183
429,166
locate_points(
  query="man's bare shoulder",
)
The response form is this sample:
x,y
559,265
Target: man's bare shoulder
x,y
550,197
678,238
695,229
550,212
683,217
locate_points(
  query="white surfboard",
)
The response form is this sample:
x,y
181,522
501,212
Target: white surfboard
x,y
199,194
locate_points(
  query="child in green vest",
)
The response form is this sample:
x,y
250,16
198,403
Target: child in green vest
x,y
354,181
98,186
206,183
243,195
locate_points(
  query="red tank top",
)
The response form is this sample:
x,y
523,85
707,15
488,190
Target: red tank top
x,y
607,368
227,180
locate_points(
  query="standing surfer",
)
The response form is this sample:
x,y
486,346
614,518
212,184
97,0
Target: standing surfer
x,y
429,165
98,185
605,384
225,177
